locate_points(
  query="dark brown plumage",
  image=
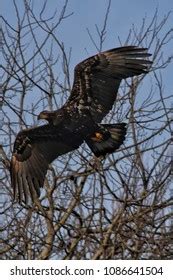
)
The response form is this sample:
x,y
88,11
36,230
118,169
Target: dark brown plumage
x,y
94,91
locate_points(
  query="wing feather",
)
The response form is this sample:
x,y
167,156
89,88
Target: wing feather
x,y
23,187
97,78
34,149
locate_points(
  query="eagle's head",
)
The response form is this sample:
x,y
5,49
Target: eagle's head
x,y
46,115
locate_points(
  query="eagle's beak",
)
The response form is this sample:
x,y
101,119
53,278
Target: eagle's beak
x,y
39,117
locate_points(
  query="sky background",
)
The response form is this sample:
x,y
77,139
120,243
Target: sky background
x,y
86,14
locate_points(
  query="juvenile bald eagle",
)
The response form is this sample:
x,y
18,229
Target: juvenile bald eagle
x,y
94,92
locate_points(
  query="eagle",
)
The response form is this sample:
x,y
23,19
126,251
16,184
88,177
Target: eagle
x,y
94,91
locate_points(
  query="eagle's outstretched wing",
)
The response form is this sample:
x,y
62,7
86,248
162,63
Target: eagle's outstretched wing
x,y
33,150
97,78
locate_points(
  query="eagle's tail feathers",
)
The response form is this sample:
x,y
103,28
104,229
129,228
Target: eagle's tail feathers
x,y
108,139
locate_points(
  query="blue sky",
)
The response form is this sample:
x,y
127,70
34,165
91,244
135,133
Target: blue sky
x,y
86,14
123,14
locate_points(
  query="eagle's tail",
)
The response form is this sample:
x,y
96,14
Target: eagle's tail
x,y
107,139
